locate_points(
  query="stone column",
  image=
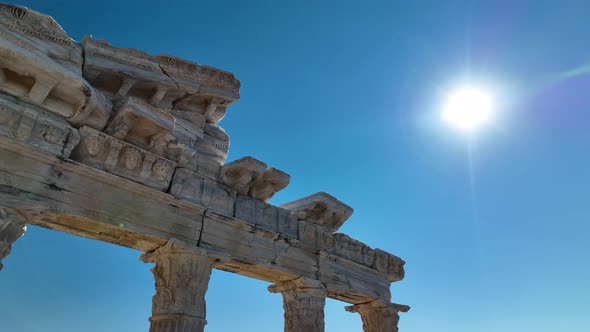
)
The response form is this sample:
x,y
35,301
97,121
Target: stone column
x,y
12,226
303,301
182,275
379,315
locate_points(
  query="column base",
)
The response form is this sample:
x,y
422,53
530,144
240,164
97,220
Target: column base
x,y
177,323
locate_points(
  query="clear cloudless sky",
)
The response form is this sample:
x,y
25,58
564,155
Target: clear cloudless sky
x,y
345,96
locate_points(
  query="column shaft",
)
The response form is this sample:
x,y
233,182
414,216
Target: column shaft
x,y
303,302
182,275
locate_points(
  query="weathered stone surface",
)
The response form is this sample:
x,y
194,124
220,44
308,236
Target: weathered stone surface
x,y
12,226
155,130
356,251
379,315
41,64
212,151
389,264
131,214
192,187
165,115
241,174
269,183
119,72
208,91
194,91
105,152
255,251
303,302
351,282
266,215
79,199
321,209
34,126
182,275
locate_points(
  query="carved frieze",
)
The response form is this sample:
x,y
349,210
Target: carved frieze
x,y
266,216
33,24
322,209
269,183
34,126
42,65
162,134
105,152
155,130
192,187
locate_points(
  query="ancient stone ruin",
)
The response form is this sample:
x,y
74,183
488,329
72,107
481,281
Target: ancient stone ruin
x,y
121,146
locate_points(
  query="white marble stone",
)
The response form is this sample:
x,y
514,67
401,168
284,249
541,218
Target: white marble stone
x,y
41,64
120,146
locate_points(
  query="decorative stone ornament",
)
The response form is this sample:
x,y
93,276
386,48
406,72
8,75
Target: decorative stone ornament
x,y
379,316
303,301
182,275
121,146
321,209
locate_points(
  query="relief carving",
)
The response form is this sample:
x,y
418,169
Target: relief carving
x,y
34,126
33,23
303,302
102,151
182,275
39,63
155,130
163,135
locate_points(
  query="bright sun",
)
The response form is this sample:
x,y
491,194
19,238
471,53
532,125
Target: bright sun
x,y
468,108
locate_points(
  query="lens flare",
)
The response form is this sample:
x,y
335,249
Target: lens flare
x,y
468,108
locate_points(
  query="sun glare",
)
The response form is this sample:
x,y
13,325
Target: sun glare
x,y
468,108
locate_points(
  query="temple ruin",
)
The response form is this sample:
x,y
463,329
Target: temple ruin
x,y
121,146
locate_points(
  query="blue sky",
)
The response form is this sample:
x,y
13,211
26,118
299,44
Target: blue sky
x,y
344,96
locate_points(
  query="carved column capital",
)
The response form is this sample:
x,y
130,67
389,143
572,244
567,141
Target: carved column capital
x,y
379,315
301,286
182,275
12,226
303,301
